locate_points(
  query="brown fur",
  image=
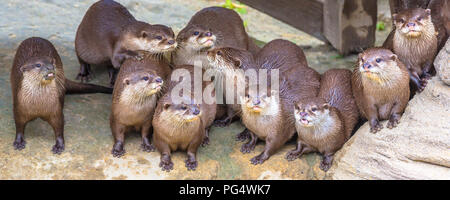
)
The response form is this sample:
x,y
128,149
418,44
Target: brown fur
x,y
275,123
173,133
108,34
34,97
135,109
225,25
329,135
380,96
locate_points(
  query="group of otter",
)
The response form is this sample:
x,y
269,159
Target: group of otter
x,y
322,109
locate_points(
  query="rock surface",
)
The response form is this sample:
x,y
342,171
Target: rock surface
x,y
442,63
419,148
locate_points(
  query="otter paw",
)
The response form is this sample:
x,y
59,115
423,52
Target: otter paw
x,y
118,152
19,144
242,136
166,165
58,148
247,148
292,155
191,164
423,84
258,159
325,166
83,77
205,142
222,123
148,147
392,123
375,127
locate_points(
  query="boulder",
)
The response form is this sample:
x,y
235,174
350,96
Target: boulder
x,y
419,148
442,63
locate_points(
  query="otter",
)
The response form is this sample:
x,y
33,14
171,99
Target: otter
x,y
136,91
268,115
415,43
109,34
228,61
211,27
182,125
380,85
38,88
324,123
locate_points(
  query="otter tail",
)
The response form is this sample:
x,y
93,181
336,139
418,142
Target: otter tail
x,y
82,88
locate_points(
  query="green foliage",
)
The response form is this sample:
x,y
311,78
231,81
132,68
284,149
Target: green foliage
x,y
238,7
380,26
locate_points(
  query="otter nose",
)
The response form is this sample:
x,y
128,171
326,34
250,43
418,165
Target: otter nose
x,y
256,101
208,34
171,42
159,80
303,114
196,111
410,24
367,66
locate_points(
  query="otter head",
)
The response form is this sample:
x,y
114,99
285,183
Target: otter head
x,y
41,69
311,114
412,23
260,104
151,38
139,85
378,64
183,113
196,38
229,58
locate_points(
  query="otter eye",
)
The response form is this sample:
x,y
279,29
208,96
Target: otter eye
x,y
219,53
196,33
183,107
378,60
419,19
401,21
145,78
159,37
38,65
314,109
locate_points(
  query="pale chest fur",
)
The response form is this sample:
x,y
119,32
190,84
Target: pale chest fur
x,y
135,113
176,134
415,51
38,100
320,136
261,125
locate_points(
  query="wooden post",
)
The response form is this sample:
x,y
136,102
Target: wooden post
x,y
349,25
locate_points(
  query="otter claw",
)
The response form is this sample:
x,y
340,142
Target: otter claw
x,y
166,165
19,145
242,136
292,155
247,148
258,159
148,147
191,165
58,149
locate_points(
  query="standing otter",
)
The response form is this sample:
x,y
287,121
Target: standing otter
x,y
211,27
380,85
38,88
108,34
182,125
324,123
136,91
229,61
415,43
268,115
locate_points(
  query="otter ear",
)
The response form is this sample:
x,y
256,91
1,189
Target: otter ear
x,y
144,34
126,81
326,106
237,63
166,106
25,68
394,57
428,11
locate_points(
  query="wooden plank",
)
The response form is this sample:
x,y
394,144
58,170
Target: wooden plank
x,y
305,15
349,25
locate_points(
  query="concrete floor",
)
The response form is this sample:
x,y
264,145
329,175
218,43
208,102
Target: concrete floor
x,y
87,133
